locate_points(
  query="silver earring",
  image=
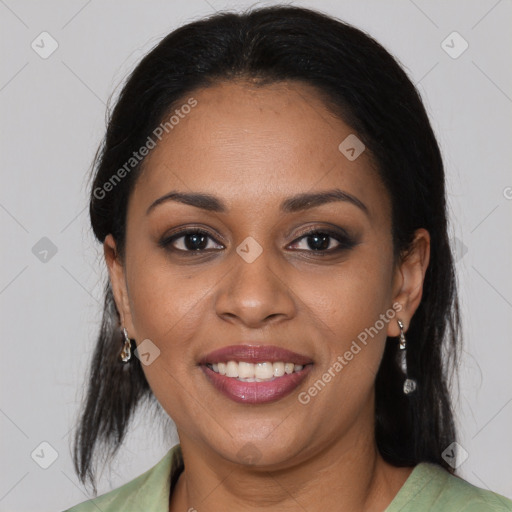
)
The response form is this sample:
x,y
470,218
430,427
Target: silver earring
x,y
409,384
126,352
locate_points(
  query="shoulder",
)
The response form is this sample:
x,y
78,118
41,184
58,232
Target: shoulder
x,y
150,490
431,487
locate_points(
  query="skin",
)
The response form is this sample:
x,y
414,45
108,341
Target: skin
x,y
253,147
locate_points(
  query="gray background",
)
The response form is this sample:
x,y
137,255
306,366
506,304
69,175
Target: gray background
x,y
52,119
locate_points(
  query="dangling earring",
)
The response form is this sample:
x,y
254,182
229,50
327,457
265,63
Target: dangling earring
x,y
126,352
409,384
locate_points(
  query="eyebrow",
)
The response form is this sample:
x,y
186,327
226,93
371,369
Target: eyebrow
x,y
292,204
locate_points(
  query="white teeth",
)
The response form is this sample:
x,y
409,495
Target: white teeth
x,y
278,369
288,367
232,369
263,371
245,370
255,372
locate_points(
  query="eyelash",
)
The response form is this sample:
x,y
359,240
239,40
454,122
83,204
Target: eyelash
x,y
345,242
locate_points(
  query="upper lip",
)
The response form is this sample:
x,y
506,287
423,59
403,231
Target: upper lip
x,y
254,354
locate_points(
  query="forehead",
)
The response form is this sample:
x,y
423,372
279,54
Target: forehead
x,y
255,145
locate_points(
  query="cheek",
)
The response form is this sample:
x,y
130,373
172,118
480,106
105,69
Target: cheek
x,y
351,297
167,308
170,306
352,309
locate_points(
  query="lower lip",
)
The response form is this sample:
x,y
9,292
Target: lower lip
x,y
256,392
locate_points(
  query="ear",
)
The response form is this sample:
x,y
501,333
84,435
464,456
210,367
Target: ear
x,y
117,276
408,280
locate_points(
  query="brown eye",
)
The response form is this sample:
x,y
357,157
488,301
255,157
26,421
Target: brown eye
x,y
194,240
321,241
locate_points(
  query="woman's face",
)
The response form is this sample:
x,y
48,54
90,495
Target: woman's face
x,y
257,278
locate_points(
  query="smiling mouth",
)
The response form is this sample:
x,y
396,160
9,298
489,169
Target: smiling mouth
x,y
254,389
255,374
265,371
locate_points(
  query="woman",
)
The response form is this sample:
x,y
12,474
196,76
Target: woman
x,y
270,198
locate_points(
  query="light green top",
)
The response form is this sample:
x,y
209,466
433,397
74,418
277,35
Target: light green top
x,y
429,487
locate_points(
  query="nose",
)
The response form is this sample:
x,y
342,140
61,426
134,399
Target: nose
x,y
255,293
